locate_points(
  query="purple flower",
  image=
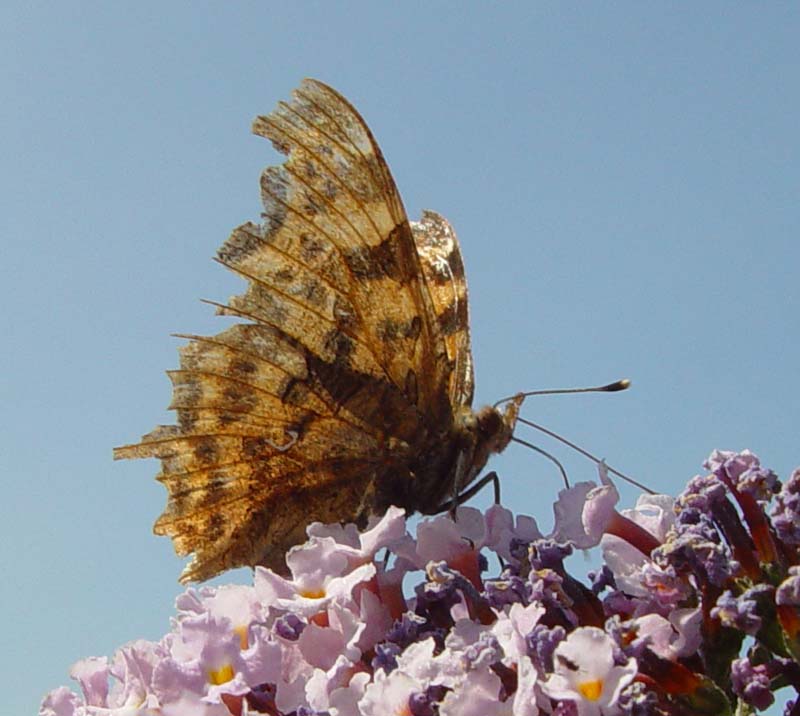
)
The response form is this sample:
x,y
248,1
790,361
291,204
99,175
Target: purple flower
x,y
740,612
788,593
62,702
342,636
506,590
751,683
542,642
786,510
547,554
745,472
602,579
386,656
702,493
289,626
695,546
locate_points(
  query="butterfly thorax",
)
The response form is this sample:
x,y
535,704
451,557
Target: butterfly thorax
x,y
449,462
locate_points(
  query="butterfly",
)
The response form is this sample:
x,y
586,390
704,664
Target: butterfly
x,y
347,385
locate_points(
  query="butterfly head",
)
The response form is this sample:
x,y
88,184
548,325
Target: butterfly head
x,y
494,429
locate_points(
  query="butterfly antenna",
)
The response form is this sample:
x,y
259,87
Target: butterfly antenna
x,y
583,452
546,454
614,387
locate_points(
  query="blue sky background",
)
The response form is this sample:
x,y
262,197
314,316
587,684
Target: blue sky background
x,y
623,178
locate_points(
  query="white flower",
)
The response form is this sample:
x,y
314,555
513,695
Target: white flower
x,y
586,674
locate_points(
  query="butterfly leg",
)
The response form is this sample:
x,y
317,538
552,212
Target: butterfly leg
x,y
470,492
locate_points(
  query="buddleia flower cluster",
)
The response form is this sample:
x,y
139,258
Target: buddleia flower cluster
x,y
695,610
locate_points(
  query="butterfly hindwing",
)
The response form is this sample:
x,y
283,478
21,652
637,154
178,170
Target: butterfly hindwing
x,y
446,281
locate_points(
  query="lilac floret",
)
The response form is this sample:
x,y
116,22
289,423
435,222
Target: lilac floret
x,y
547,554
702,493
739,612
546,587
785,511
602,579
751,683
483,653
788,592
262,698
305,711
696,546
505,591
425,703
386,656
637,700
289,626
541,644
407,629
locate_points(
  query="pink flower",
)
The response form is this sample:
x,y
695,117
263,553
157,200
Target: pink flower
x,y
205,657
585,673
502,530
62,702
320,575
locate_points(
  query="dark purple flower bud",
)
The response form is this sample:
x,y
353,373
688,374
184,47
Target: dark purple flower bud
x,y
541,643
546,554
518,549
751,683
425,703
785,512
695,546
698,523
737,612
438,594
261,699
790,707
546,586
289,626
617,602
727,463
745,472
482,653
636,699
407,629
483,563
760,483
447,582
508,590
701,493
602,579
386,657
566,708
788,593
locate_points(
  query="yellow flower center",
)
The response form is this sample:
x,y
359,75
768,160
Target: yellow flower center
x,y
221,676
242,632
313,593
591,690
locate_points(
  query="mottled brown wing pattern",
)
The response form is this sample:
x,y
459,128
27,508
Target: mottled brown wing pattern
x,y
341,372
443,270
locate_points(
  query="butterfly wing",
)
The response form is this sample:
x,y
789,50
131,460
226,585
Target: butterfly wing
x,y
340,373
443,270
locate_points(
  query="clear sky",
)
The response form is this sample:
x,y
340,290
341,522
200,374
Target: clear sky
x,y
623,178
